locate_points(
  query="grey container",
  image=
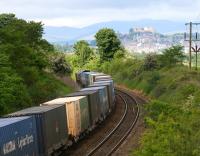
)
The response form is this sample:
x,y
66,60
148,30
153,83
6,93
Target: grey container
x,y
93,75
78,75
109,91
51,127
93,101
110,88
102,77
112,85
84,79
87,78
77,110
18,136
103,98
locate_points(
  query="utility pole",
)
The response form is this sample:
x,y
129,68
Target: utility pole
x,y
190,46
193,37
196,50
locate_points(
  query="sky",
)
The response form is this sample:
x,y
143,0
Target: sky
x,y
80,13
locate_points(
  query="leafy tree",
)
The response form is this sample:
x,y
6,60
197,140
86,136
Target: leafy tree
x,y
119,54
150,61
24,58
83,51
13,93
172,56
108,43
60,65
5,19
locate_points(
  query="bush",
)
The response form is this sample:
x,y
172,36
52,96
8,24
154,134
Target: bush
x,y
150,62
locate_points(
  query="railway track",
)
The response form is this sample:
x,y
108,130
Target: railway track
x,y
115,138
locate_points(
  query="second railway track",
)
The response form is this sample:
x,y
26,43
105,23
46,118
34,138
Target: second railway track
x,y
116,137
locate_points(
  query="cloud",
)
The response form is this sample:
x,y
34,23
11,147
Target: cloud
x,y
84,12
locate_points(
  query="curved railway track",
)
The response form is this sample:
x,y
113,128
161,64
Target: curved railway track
x,y
115,138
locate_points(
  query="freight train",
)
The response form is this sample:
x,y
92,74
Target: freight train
x,y
57,124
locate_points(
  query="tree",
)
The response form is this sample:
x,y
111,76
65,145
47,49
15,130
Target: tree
x,y
5,19
108,43
23,42
150,61
172,56
60,65
83,51
13,92
24,58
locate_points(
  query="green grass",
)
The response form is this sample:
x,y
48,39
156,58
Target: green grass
x,y
173,114
47,88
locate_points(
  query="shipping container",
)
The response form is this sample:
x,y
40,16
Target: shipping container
x,y
111,90
78,75
88,78
18,136
51,128
93,75
93,101
112,85
77,113
103,98
102,78
84,79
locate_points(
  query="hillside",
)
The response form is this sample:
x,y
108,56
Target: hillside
x,y
172,119
70,35
149,40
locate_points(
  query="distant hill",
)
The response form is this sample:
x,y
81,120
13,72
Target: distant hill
x,y
70,34
148,40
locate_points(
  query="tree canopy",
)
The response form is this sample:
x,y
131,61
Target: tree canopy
x,y
108,43
172,56
24,57
83,51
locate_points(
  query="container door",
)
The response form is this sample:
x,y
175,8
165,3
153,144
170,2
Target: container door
x,y
84,110
78,118
71,118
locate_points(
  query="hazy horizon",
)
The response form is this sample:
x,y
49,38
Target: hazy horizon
x,y
79,13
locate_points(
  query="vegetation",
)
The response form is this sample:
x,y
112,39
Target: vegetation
x,y
24,58
59,64
83,51
173,118
173,114
108,44
172,56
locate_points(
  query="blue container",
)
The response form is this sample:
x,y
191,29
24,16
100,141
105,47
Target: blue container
x,y
18,136
51,127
